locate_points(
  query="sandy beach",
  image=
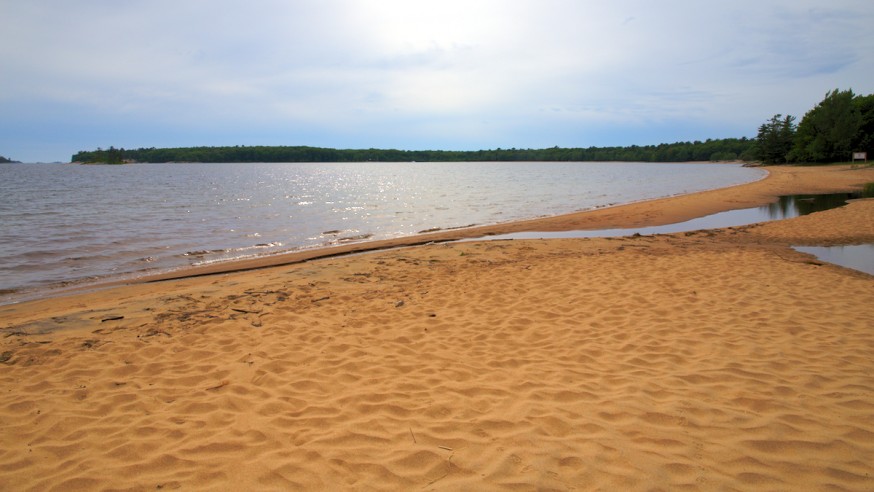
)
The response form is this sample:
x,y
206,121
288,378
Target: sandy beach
x,y
708,360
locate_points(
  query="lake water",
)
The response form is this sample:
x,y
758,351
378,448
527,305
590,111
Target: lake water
x,y
63,224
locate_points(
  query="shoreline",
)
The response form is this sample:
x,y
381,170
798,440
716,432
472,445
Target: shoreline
x,y
780,180
713,359
108,275
645,213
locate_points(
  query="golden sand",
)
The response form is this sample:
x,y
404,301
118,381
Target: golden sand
x,y
713,360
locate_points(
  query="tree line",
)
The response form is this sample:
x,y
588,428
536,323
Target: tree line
x,y
841,124
710,150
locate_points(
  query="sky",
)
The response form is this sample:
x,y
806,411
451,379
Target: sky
x,y
416,74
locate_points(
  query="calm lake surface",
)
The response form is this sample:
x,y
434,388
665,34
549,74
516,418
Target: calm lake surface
x,y
62,224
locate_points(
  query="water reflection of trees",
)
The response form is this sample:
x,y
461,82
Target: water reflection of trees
x,y
789,206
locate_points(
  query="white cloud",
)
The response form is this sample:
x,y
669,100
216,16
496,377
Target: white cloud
x,y
399,71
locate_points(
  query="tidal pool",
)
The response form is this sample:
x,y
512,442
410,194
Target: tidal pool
x,y
786,207
858,257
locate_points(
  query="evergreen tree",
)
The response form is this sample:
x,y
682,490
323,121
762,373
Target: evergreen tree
x,y
864,140
775,138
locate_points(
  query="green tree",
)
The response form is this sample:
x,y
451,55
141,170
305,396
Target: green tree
x,y
828,131
114,156
864,140
719,149
775,138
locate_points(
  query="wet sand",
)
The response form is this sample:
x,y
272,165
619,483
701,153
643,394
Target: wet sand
x,y
707,360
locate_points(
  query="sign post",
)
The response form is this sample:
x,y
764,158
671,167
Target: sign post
x,y
860,156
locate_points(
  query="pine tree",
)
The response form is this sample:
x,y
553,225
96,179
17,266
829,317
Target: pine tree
x,y
775,139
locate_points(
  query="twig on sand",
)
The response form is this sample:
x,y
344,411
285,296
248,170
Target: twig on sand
x,y
448,469
221,385
413,436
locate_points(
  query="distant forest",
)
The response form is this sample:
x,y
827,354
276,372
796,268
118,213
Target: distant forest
x,y
840,125
711,150
4,160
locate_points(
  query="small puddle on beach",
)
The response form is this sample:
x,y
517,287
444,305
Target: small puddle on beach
x,y
859,257
786,207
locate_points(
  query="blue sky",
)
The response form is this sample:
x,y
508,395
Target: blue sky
x,y
407,74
